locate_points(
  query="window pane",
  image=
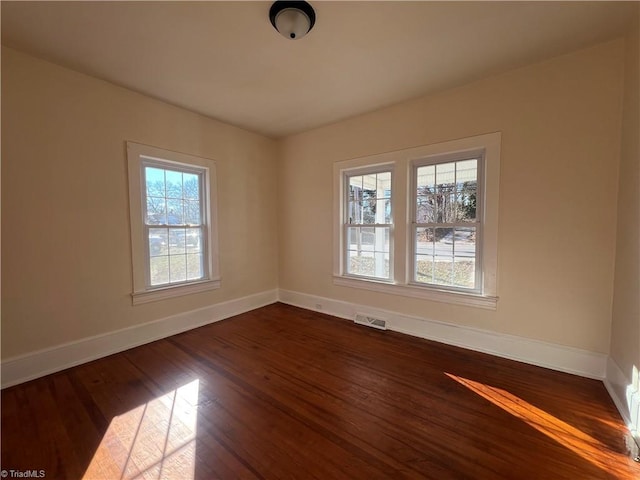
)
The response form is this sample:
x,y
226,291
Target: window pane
x,y
445,177
159,270
366,238
383,211
155,181
384,188
444,241
175,214
156,211
177,244
467,172
442,270
464,272
158,241
192,213
193,240
443,249
361,264
381,264
368,251
465,242
446,256
174,184
426,209
369,206
467,188
354,213
447,192
465,208
425,241
355,183
370,182
425,244
191,186
194,266
424,268
426,179
445,207
369,199
177,268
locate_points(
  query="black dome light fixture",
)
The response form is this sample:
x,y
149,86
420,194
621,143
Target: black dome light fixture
x,y
293,20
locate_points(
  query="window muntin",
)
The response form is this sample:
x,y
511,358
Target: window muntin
x,y
367,226
446,224
174,223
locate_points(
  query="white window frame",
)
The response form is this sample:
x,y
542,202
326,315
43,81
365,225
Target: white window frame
x,y
402,162
345,221
439,159
140,156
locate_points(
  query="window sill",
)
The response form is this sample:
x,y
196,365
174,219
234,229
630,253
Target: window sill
x,y
172,291
456,298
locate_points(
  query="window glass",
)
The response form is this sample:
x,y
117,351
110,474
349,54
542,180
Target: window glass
x,y
174,202
445,246
368,225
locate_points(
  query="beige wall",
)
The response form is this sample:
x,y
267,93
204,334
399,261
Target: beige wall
x,y
66,255
625,327
560,124
67,275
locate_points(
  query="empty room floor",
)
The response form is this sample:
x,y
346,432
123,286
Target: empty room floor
x,y
282,392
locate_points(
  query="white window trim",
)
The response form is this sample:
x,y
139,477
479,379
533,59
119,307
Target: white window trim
x,y
137,155
402,162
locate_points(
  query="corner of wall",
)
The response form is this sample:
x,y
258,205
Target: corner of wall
x,y
624,359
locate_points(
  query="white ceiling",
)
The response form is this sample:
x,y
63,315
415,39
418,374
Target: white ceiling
x,y
225,60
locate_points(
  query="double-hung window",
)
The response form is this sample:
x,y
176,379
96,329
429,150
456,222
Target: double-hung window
x,y
447,225
421,222
367,223
172,201
174,224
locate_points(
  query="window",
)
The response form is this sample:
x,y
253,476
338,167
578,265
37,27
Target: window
x,y
174,227
172,223
447,226
367,226
421,222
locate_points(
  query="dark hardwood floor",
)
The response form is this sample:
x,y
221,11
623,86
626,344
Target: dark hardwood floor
x,y
281,392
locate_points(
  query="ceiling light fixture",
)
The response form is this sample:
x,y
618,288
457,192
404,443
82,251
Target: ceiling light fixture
x,y
293,20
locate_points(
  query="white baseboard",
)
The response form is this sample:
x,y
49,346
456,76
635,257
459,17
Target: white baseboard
x,y
624,395
616,383
43,362
557,357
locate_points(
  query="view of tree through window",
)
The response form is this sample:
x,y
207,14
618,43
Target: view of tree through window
x,y
368,226
174,227
445,223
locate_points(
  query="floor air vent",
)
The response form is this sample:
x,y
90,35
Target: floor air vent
x,y
374,322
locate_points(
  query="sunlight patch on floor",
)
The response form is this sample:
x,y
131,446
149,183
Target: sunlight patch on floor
x,y
153,441
568,436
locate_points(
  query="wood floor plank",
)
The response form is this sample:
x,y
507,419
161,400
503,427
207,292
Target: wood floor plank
x,y
282,392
